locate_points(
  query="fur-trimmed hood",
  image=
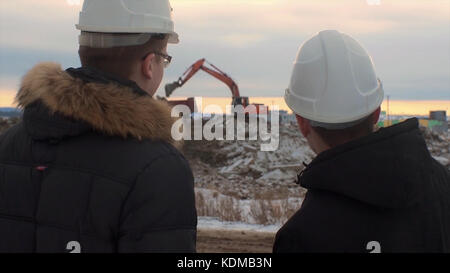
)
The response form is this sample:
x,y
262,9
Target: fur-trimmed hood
x,y
108,107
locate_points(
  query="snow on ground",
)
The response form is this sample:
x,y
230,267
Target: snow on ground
x,y
444,161
439,146
215,223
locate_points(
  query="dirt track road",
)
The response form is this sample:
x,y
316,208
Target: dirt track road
x,y
228,241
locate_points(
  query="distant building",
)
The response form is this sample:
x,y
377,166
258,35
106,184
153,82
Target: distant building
x,y
436,122
440,121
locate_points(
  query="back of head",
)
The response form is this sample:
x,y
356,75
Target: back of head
x,y
120,60
334,85
115,34
334,137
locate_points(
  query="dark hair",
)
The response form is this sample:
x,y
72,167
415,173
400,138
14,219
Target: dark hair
x,y
337,137
120,61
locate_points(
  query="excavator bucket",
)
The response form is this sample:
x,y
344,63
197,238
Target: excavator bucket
x,y
170,87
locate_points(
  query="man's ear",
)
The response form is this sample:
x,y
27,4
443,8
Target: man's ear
x,y
147,66
376,115
304,125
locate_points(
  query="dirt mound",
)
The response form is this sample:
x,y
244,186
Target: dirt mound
x,y
241,169
6,123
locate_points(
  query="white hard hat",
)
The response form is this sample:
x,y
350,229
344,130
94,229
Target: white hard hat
x,y
333,81
111,19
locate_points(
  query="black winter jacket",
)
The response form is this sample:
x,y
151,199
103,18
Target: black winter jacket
x,y
380,193
92,168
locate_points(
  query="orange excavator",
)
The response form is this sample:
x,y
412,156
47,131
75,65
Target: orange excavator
x,y
220,75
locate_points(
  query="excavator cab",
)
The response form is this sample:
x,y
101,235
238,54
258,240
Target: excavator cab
x,y
240,101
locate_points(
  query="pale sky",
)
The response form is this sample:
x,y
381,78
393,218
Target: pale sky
x,y
254,41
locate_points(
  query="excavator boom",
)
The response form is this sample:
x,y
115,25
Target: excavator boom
x,y
218,74
214,71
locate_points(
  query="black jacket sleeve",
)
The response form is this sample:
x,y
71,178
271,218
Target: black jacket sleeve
x,y
159,214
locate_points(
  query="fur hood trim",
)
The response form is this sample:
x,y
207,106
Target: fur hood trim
x,y
110,108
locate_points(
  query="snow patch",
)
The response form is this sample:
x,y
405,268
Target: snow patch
x,y
215,223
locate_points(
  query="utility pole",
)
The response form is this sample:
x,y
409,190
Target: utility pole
x,y
388,116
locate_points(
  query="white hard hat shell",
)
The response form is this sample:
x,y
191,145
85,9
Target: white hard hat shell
x,y
128,16
333,80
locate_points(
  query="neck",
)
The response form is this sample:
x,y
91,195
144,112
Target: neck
x,y
319,145
91,74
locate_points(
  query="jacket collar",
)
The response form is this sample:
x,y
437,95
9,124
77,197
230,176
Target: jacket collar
x,y
93,75
385,168
85,98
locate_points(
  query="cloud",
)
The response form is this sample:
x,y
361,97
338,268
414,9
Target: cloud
x,y
38,24
255,41
296,17
241,40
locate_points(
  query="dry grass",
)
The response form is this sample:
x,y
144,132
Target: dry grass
x,y
261,211
272,211
226,209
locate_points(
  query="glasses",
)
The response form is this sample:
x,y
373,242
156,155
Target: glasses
x,y
167,58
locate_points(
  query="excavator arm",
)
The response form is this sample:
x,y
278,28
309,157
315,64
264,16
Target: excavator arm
x,y
214,71
190,72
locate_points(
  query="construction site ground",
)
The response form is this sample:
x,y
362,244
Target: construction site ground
x,y
234,241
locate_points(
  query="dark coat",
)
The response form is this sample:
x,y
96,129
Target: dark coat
x,y
383,192
93,167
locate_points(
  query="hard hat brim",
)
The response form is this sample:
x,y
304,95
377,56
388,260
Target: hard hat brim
x,y
173,36
306,108
109,40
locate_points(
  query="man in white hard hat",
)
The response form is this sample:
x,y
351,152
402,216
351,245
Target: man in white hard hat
x,y
93,166
367,191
